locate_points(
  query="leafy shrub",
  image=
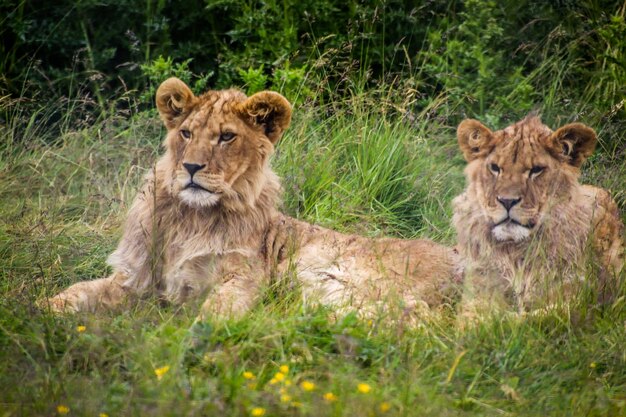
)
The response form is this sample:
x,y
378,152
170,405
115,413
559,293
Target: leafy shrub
x,y
482,58
466,58
254,79
163,68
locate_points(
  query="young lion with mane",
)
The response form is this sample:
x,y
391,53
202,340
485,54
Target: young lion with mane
x,y
525,225
201,220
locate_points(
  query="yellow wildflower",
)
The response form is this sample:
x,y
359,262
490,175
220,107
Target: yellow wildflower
x,y
592,365
62,409
284,369
209,358
307,385
81,329
248,375
384,407
103,415
330,397
287,382
282,390
279,376
273,381
258,412
285,398
159,372
363,388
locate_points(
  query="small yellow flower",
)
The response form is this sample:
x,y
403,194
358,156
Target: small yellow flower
x,y
592,365
284,369
81,329
307,385
363,388
62,409
248,375
285,398
273,381
279,376
103,415
370,323
384,407
258,412
287,382
159,372
330,397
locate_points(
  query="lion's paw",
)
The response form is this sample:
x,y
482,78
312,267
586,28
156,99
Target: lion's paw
x,y
60,304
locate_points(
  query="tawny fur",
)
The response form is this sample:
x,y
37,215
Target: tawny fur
x,y
370,276
559,225
192,232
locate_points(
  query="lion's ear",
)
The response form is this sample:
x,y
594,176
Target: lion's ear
x,y
475,140
173,99
574,142
270,110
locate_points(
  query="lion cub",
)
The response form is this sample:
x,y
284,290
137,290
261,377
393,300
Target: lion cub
x,y
200,220
525,225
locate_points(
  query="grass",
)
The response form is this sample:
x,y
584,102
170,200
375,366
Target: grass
x,y
63,198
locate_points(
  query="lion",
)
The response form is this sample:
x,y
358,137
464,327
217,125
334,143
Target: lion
x,y
205,215
526,227
373,276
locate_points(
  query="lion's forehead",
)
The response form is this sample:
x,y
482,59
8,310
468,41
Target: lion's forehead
x,y
214,107
528,130
218,99
522,144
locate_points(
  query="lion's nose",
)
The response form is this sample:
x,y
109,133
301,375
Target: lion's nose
x,y
192,168
508,203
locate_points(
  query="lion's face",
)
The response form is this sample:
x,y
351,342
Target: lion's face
x,y
519,174
218,143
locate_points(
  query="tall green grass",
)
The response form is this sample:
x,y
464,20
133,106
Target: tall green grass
x,y
359,168
357,165
370,155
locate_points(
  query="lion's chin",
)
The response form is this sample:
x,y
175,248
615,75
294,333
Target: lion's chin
x,y
510,231
198,198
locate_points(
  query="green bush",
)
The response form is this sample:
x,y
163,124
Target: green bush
x,y
445,60
469,62
163,68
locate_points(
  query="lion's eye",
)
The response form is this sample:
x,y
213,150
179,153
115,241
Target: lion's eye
x,y
536,170
185,133
227,137
494,168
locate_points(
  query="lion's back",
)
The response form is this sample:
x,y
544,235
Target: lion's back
x,y
607,227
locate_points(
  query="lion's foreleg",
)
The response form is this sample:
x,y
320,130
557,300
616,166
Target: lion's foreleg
x,y
232,299
484,293
280,242
241,281
91,296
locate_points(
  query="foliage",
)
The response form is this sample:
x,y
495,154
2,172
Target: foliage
x,y
378,88
163,68
467,60
254,79
346,165
498,60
